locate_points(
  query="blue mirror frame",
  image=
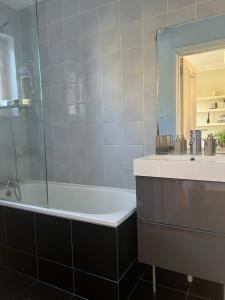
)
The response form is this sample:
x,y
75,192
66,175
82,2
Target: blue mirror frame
x,y
205,33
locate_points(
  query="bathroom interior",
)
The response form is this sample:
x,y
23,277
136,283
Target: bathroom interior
x,y
112,142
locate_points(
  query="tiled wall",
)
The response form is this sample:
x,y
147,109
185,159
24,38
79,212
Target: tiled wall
x,y
99,79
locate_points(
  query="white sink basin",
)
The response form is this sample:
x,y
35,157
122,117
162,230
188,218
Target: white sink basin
x,y
208,168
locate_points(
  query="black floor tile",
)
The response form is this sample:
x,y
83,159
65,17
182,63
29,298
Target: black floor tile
x,y
56,274
144,292
195,298
172,279
168,278
76,298
206,289
95,288
41,291
12,283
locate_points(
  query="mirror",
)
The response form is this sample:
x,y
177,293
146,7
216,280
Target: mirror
x,y
191,77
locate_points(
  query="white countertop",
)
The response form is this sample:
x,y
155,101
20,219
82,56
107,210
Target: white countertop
x,y
207,168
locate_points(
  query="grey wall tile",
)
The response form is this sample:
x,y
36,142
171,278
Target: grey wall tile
x,y
178,4
61,155
77,155
94,134
72,51
132,87
93,112
112,112
94,156
110,41
72,28
131,35
76,114
113,156
70,8
128,179
88,4
212,7
152,7
77,174
55,33
130,153
109,15
130,10
90,45
94,175
61,135
134,133
133,111
132,61
92,90
76,135
62,173
113,177
54,11
113,134
74,93
90,21
150,27
183,15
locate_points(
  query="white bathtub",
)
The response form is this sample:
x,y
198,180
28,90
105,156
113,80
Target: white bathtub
x,y
100,205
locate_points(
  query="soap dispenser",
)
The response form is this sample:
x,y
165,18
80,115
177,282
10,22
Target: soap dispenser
x,y
210,145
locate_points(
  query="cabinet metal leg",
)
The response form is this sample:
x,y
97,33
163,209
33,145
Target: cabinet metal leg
x,y
154,279
190,278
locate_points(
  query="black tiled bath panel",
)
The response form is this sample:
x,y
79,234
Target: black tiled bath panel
x,y
2,258
58,275
95,249
41,291
127,243
95,288
21,261
54,239
144,292
12,283
20,232
2,232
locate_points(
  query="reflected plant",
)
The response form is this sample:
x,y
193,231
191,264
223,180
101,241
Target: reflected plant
x,y
221,138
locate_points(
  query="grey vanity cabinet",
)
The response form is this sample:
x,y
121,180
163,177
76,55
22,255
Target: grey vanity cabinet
x,y
181,225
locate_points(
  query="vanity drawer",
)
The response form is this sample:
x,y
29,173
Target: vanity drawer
x,y
200,254
187,203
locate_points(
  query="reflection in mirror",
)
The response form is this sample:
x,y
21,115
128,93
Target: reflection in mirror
x,y
200,102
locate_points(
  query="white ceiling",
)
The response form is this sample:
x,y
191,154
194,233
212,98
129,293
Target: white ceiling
x,y
208,60
17,4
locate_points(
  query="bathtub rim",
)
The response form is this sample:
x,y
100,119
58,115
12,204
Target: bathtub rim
x,y
110,219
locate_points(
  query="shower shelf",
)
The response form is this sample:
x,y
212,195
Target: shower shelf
x,y
20,103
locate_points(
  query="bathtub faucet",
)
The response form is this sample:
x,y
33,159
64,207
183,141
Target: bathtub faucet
x,y
13,184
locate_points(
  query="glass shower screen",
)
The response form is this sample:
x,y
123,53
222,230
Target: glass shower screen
x,y
22,143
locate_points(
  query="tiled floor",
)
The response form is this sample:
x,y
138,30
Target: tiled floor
x,y
16,286
171,286
174,286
